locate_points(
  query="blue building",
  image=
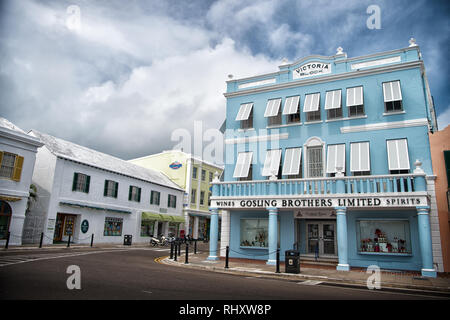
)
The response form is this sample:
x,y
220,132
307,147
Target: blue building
x,y
330,156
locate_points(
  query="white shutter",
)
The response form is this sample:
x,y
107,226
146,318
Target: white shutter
x,y
242,164
244,111
392,91
272,108
359,156
355,96
312,102
291,105
398,157
272,163
292,158
335,158
333,100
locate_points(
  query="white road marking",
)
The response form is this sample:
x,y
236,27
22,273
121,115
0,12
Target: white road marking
x,y
310,282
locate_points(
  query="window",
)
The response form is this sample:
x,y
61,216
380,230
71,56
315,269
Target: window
x,y
172,201
272,163
111,189
315,162
312,107
291,109
193,196
194,173
81,182
242,170
245,115
11,166
336,158
113,226
202,198
147,228
209,198
203,175
155,197
355,101
447,166
333,104
392,96
292,163
360,158
384,236
5,219
273,112
398,158
210,177
254,233
134,194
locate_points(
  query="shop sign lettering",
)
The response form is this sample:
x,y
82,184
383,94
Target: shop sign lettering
x,y
360,202
311,69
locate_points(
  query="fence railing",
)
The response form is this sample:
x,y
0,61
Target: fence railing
x,y
400,183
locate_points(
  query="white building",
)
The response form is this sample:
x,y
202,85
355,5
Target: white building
x,y
17,157
83,192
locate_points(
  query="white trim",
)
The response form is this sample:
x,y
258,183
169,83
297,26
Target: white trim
x,y
256,83
393,113
386,125
269,137
373,63
333,77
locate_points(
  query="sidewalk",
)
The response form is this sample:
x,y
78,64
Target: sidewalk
x,y
391,280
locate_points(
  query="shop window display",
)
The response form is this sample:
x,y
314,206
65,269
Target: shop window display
x,y
113,226
385,237
254,233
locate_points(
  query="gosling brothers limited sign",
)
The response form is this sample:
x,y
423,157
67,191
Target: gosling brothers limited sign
x,y
311,69
357,202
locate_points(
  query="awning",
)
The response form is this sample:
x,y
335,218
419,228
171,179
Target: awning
x,y
333,100
336,158
292,158
391,91
272,163
359,156
355,96
398,157
291,105
244,111
243,164
161,217
79,205
312,102
272,108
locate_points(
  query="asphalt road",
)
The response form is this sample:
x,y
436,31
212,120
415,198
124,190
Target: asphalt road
x,y
134,274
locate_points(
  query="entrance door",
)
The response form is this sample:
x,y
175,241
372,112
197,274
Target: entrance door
x,y
321,238
64,226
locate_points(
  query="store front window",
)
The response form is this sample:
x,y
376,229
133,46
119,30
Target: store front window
x,y
173,229
113,226
147,227
384,236
255,233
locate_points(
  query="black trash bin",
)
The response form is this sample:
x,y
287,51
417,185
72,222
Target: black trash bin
x,y
292,261
127,240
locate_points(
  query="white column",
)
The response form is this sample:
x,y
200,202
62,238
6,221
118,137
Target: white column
x,y
224,232
195,228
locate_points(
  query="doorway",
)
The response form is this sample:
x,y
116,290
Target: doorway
x,y
65,226
321,238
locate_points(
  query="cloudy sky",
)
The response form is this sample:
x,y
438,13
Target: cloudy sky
x,y
132,72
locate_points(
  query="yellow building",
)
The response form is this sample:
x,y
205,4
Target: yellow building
x,y
194,176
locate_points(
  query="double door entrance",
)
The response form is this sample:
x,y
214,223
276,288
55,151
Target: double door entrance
x,y
321,238
64,226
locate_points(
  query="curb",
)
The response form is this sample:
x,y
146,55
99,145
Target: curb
x,y
391,287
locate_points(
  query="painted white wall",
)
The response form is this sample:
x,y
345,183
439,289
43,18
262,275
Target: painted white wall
x,y
56,175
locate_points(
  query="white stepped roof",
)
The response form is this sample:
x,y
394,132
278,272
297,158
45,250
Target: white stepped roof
x,y
71,151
